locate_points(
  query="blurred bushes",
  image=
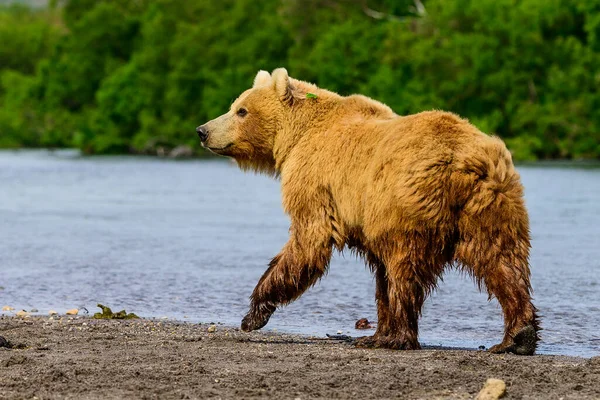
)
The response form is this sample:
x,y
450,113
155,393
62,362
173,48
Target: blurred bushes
x,y
112,76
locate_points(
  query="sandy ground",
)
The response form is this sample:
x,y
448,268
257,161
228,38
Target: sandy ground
x,y
82,358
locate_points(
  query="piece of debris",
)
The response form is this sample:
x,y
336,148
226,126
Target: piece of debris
x,y
492,390
340,332
7,344
345,338
212,328
72,311
52,312
108,314
22,313
7,308
363,323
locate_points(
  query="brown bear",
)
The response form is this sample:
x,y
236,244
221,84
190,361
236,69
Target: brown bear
x,y
412,195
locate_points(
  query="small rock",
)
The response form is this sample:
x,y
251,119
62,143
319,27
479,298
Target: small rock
x,y
4,342
212,328
339,332
72,311
363,323
7,308
34,310
52,312
22,313
492,390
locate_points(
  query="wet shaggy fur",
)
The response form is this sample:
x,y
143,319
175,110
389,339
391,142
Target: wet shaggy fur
x,y
412,195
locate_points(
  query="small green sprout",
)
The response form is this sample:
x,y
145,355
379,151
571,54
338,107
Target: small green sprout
x,y
311,96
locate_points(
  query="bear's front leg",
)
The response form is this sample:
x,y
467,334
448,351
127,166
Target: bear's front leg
x,y
296,268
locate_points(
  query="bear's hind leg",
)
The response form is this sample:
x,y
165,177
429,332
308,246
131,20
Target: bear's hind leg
x,y
500,262
507,279
383,305
402,287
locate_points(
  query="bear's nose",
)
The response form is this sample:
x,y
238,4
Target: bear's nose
x,y
202,133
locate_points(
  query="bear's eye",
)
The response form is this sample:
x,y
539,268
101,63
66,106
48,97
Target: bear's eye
x,y
242,112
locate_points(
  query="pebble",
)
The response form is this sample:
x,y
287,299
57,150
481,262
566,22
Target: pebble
x,y
7,308
72,311
22,313
492,390
34,310
212,328
52,312
339,332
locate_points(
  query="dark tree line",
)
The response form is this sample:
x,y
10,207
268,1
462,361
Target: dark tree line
x,y
112,76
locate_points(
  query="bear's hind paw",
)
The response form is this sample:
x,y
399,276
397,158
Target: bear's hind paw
x,y
386,342
523,343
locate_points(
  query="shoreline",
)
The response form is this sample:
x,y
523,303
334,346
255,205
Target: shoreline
x,y
184,152
81,357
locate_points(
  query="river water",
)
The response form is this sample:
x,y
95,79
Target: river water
x,y
189,240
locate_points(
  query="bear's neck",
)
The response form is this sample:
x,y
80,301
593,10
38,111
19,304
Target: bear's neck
x,y
313,117
301,122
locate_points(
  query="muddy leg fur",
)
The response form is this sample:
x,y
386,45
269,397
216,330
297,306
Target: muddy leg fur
x,y
401,292
384,323
290,273
507,279
509,283
494,248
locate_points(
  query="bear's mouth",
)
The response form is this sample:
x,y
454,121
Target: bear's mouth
x,y
219,149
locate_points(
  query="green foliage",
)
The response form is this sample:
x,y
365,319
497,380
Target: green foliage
x,y
108,314
113,76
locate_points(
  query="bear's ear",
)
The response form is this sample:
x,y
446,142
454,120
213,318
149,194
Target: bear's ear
x,y
263,78
281,81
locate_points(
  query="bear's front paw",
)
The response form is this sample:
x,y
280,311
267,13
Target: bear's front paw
x,y
252,322
257,317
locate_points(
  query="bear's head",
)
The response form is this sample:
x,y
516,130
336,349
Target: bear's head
x,y
249,131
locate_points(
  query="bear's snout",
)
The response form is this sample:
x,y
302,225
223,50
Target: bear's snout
x,y
202,133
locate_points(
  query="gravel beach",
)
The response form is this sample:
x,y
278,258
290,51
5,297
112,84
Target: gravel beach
x,y
83,358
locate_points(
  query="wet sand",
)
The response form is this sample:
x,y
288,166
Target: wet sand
x,y
78,357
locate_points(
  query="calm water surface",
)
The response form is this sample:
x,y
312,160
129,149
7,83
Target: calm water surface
x,y
189,240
